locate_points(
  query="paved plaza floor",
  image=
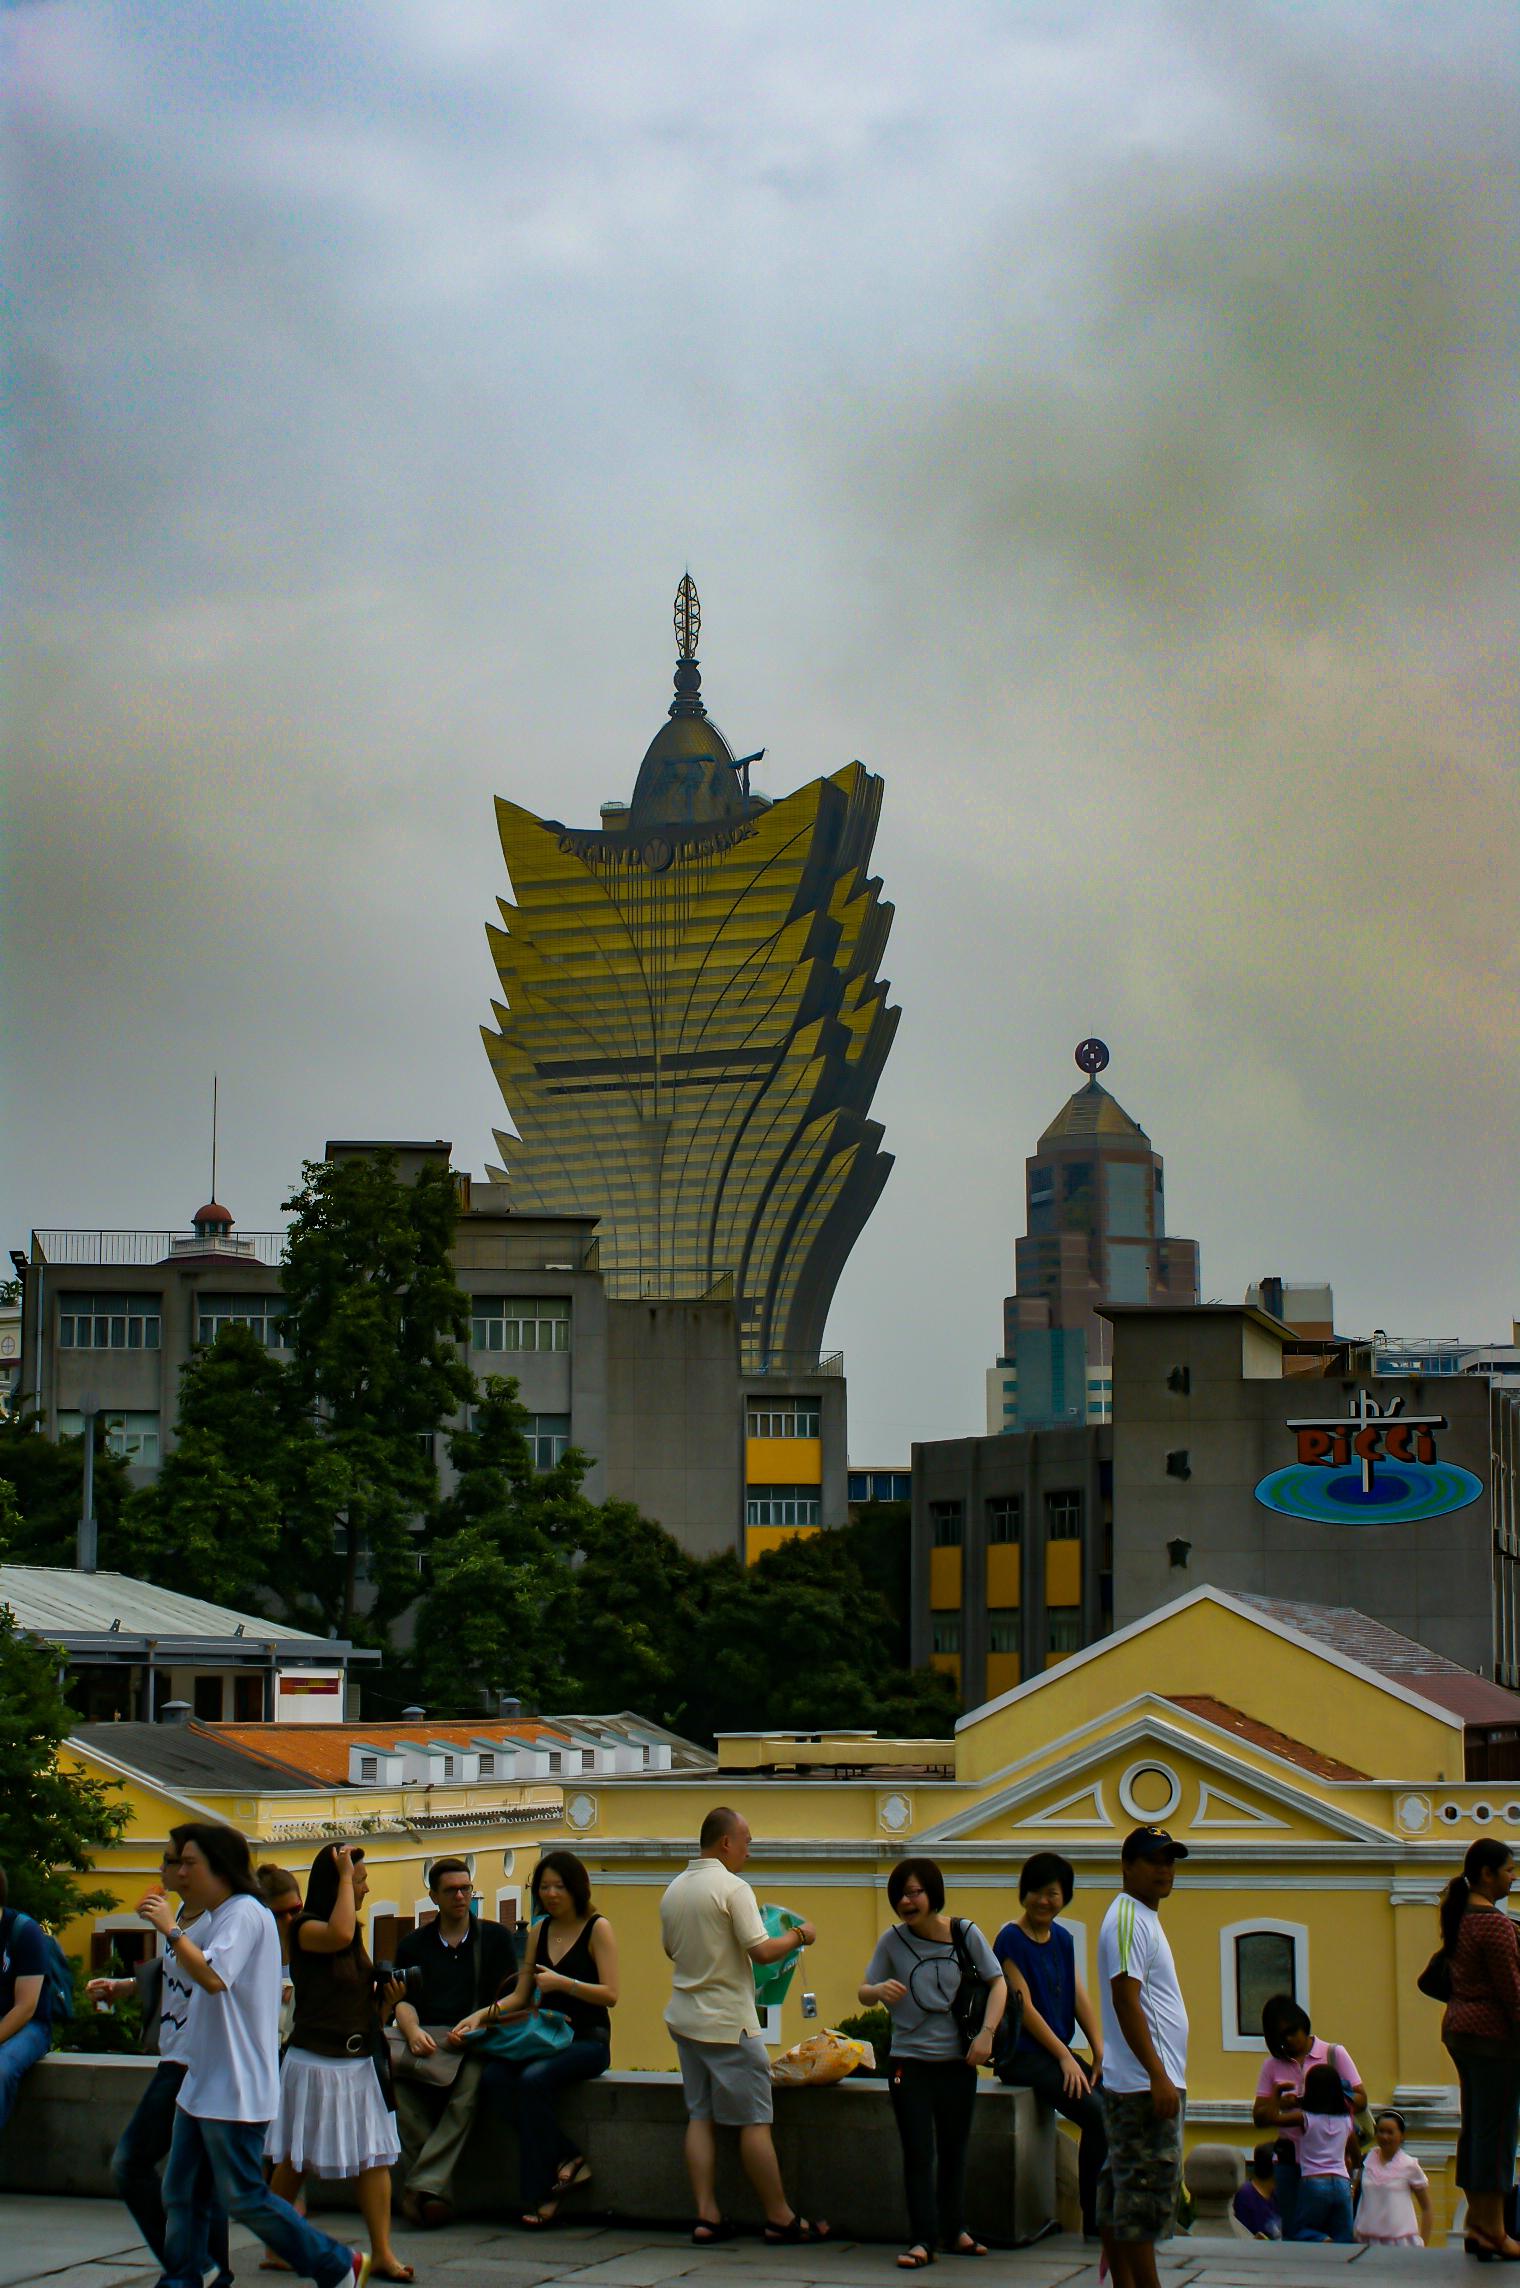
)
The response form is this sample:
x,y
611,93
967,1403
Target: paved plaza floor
x,y
51,2243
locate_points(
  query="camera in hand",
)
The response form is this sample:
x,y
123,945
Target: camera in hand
x,y
410,1978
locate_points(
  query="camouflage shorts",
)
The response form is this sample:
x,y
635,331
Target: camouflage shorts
x,y
1142,2176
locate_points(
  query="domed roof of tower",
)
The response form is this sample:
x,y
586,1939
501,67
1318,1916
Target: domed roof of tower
x,y
212,1217
1092,1113
687,777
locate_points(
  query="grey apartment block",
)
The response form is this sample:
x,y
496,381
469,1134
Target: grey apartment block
x,y
1201,1415
1021,1484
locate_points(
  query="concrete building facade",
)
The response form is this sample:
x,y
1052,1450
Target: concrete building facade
x,y
653,1390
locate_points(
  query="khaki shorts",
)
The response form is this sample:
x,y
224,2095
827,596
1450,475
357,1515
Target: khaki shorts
x,y
726,2082
1141,2178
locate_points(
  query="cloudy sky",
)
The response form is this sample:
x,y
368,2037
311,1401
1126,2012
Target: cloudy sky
x,y
1098,417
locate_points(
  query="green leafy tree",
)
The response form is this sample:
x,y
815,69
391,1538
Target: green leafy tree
x,y
53,1821
499,1564
632,1605
799,1640
212,1521
47,1481
373,1320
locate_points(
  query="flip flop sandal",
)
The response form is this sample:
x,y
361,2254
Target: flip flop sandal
x,y
799,2230
915,2258
571,2174
969,2246
708,2231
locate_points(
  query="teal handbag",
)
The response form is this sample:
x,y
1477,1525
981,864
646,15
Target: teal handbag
x,y
538,2035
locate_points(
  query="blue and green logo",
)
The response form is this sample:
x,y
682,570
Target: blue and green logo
x,y
1369,1467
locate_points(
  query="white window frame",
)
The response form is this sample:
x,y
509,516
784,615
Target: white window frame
x,y
1229,1997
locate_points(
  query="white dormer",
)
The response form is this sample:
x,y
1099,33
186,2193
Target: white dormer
x,y
375,1767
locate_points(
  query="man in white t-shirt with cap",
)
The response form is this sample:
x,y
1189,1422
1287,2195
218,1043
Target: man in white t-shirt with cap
x,y
1144,2089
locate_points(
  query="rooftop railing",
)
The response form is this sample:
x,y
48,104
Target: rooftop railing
x,y
107,1247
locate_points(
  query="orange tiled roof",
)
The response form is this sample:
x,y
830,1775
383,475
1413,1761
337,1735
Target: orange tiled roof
x,y
1265,1736
320,1751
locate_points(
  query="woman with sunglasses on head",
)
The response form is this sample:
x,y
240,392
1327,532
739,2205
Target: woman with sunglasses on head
x,y
917,1971
145,2142
334,2119
571,1966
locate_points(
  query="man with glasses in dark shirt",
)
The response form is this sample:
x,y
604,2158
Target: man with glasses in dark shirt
x,y
457,1962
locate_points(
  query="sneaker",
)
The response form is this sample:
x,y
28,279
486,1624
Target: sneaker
x,y
360,2263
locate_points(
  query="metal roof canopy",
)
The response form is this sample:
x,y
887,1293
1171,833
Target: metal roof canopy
x,y
114,1616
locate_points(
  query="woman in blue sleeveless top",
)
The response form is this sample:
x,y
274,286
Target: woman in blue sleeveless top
x,y
1040,1963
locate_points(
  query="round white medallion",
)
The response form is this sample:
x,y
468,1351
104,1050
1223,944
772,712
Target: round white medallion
x,y
1150,1814
895,1813
580,1811
1414,1813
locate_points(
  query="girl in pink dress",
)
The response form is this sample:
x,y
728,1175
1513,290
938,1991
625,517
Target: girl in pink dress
x,y
1393,2187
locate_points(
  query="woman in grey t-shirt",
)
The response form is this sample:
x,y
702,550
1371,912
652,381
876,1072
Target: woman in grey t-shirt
x,y
917,1971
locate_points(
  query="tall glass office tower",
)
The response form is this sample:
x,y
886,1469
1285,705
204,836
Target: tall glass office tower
x,y
692,1026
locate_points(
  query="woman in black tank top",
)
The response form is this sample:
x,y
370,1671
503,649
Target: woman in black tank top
x,y
571,1966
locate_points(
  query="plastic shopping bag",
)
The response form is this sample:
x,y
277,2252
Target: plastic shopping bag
x,y
821,2058
773,1979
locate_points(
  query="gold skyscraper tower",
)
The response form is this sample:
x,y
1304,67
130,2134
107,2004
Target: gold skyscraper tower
x,y
692,1026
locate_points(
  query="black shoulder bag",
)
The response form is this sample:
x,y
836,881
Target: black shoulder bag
x,y
969,2008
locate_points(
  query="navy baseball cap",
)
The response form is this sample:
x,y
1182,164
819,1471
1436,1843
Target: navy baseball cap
x,y
1152,1843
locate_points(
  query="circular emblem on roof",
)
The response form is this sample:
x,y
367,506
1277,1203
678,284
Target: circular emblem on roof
x,y
1406,1495
580,1811
1150,1792
1092,1056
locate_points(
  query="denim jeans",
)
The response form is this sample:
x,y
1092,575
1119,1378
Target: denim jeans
x,y
18,2056
144,2144
211,2161
1322,2210
525,2095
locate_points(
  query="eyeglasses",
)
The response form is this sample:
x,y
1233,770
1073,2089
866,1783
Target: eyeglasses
x,y
287,1914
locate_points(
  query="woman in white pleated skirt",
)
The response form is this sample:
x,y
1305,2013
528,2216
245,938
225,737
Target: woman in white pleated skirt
x,y
335,2119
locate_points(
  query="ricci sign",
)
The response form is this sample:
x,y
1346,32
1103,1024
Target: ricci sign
x,y
1374,1465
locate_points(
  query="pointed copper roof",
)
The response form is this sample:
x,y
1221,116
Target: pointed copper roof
x,y
1092,1112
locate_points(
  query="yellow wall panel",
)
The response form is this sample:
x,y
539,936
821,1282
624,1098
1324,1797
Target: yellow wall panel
x,y
1063,1573
783,1461
945,1580
759,1538
1003,1574
948,1664
1002,1673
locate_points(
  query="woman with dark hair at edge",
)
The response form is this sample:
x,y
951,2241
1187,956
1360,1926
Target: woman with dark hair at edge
x,y
1292,2054
231,2088
571,1966
1040,1964
1481,2029
916,1971
334,2119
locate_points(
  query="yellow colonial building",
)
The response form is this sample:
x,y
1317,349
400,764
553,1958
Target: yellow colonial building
x,y
1314,1764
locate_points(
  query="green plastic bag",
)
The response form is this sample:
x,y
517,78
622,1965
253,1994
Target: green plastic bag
x,y
773,1979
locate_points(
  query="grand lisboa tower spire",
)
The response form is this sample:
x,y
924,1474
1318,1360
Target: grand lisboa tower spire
x,y
692,1026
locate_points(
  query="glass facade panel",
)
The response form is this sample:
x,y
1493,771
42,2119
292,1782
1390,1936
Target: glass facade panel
x,y
520,1323
947,1632
1004,1629
109,1322
1005,1514
131,1436
782,1505
262,1315
794,1418
1063,1633
947,1524
1129,1197
1063,1517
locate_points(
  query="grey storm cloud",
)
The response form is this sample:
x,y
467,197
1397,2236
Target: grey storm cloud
x,y
1098,418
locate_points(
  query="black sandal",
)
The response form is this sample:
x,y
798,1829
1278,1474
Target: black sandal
x,y
967,2245
915,2258
708,2231
798,2231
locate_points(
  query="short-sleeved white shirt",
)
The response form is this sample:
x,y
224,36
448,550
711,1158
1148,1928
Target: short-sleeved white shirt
x,y
1132,1944
709,1920
174,2005
232,2040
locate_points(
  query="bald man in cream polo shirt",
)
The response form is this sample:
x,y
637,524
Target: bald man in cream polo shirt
x,y
714,1934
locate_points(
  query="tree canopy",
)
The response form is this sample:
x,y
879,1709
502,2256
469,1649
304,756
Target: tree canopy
x,y
53,1821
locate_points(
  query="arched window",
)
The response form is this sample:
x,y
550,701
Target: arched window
x,y
1256,1959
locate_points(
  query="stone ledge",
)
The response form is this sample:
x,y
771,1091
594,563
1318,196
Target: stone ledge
x,y
838,2148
